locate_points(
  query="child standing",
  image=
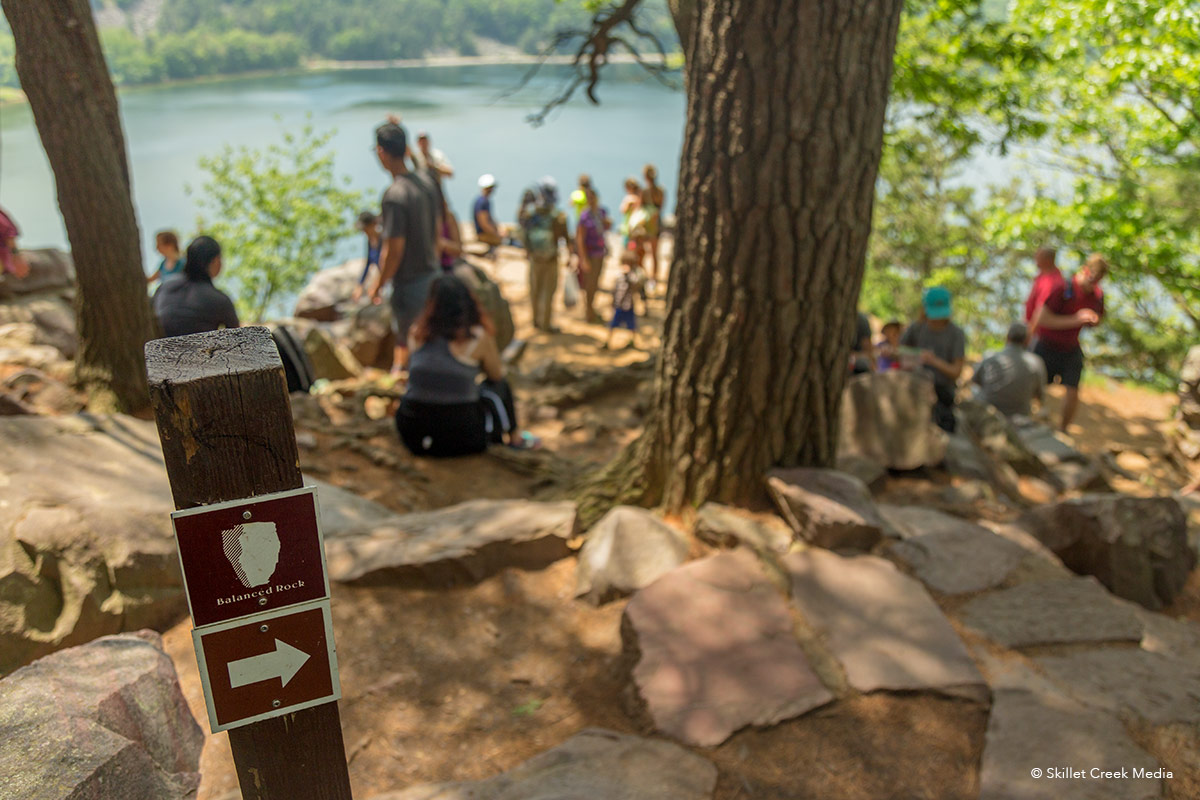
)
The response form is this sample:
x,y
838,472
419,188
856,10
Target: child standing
x,y
368,224
628,283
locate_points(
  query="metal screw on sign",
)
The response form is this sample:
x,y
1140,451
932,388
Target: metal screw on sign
x,y
276,703
263,628
262,601
245,515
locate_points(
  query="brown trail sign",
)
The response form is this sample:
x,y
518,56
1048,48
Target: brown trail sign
x,y
224,418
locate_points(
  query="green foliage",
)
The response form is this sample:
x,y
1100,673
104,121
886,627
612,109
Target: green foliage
x,y
1105,91
278,213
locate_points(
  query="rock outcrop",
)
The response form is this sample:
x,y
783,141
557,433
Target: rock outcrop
x,y
1135,546
467,542
86,547
103,720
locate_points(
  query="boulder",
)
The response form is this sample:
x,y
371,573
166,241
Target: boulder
x,y
725,526
827,508
320,298
329,359
948,554
997,437
468,541
886,418
1136,546
86,547
1052,612
49,271
368,335
881,625
103,720
628,549
51,314
713,650
594,764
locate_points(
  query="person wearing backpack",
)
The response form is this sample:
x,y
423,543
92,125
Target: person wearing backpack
x,y
543,227
594,224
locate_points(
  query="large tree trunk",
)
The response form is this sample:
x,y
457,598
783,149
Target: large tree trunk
x,y
63,72
785,113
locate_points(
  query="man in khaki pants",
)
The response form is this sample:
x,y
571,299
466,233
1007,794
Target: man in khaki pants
x,y
543,227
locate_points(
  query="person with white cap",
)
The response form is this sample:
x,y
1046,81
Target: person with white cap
x,y
429,158
486,229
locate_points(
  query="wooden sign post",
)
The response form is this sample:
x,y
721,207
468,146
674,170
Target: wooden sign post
x,y
225,421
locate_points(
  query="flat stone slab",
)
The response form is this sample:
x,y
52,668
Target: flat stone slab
x,y
1034,731
1157,688
726,526
103,720
628,549
468,541
1065,611
879,623
593,765
715,650
951,555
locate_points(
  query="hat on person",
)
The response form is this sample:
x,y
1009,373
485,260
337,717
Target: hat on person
x,y
937,303
487,181
892,323
548,188
422,134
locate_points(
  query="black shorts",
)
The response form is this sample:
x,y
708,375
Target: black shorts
x,y
1066,365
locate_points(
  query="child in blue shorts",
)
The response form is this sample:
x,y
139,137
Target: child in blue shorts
x,y
628,284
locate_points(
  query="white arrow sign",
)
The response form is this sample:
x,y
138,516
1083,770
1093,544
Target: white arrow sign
x,y
283,663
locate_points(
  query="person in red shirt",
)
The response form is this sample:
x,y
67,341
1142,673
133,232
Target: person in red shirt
x,y
1048,279
1068,310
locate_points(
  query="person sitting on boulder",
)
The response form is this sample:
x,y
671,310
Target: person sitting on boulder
x,y
1013,377
192,304
446,411
943,348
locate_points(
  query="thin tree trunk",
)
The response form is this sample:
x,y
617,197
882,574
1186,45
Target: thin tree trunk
x,y
785,114
64,75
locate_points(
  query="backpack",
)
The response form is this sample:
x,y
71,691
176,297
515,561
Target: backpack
x,y
296,367
540,240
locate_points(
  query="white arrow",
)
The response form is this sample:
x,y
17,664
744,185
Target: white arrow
x,y
283,663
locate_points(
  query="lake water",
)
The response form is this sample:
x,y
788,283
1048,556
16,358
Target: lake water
x,y
168,128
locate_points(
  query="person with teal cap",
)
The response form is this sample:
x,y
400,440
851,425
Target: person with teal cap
x,y
943,348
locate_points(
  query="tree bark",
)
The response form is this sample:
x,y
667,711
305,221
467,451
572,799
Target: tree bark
x,y
64,75
785,114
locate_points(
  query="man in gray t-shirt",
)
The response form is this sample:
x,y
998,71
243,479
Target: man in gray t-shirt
x,y
943,348
1012,378
409,257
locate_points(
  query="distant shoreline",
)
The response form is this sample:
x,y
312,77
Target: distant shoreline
x,y
11,96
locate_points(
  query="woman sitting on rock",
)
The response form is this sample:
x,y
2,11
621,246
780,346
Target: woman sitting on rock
x,y
192,304
446,410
